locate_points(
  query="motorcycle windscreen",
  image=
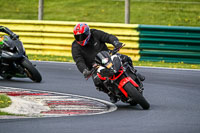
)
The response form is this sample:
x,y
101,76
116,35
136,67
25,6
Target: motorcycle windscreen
x,y
6,55
103,58
8,43
13,45
116,62
19,46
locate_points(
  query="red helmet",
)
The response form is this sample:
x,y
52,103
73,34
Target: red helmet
x,y
82,33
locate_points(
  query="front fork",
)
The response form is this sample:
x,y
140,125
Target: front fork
x,y
112,86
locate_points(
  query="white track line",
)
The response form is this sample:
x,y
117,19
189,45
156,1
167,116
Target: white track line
x,y
112,108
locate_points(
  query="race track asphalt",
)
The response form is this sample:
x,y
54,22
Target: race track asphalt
x,y
174,96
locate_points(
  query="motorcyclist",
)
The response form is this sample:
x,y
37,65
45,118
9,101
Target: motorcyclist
x,y
88,42
10,33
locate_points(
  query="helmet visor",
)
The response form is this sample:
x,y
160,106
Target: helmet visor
x,y
81,37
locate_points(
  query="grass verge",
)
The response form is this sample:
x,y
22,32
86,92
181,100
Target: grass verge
x,y
5,101
153,12
135,63
5,113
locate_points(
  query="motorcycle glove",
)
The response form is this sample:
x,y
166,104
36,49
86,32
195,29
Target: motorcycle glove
x,y
14,36
117,44
86,73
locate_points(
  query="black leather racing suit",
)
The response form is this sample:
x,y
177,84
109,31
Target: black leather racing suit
x,y
84,55
9,32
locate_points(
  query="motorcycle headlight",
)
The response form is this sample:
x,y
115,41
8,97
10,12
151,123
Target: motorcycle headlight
x,y
109,65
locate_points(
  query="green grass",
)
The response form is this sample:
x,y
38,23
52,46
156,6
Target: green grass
x,y
136,63
5,101
153,12
5,113
167,65
50,58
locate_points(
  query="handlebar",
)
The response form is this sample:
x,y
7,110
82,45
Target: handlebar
x,y
115,50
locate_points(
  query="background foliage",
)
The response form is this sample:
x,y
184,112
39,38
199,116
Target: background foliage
x,y
153,12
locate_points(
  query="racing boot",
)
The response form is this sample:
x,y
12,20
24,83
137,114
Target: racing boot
x,y
102,89
130,62
113,98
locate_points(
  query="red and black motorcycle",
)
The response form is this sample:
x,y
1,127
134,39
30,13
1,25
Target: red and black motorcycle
x,y
119,78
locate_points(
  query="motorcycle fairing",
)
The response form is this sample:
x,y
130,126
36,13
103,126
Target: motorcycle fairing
x,y
114,77
116,60
10,56
122,82
14,46
102,78
107,61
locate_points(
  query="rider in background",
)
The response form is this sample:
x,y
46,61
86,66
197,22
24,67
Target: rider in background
x,y
10,33
88,42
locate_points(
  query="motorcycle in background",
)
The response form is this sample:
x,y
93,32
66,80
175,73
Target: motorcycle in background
x,y
14,61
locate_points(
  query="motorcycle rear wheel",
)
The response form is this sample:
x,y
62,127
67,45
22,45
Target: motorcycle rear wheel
x,y
134,94
31,71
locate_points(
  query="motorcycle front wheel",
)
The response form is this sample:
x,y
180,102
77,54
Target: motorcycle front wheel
x,y
31,71
134,94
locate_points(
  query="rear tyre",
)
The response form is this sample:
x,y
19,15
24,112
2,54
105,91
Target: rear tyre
x,y
136,96
31,71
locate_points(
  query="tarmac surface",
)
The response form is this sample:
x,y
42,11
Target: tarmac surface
x,y
174,96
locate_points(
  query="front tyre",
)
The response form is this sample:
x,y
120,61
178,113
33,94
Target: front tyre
x,y
134,94
31,71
